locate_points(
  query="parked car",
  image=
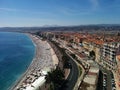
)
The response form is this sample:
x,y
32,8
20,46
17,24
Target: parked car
x,y
104,83
104,88
113,88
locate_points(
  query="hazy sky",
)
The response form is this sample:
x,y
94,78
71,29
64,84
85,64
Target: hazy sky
x,y
58,12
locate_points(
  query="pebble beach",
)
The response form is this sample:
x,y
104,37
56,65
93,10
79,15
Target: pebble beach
x,y
44,60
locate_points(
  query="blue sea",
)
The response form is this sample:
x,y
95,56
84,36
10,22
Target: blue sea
x,y
16,54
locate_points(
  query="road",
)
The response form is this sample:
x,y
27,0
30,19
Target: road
x,y
72,78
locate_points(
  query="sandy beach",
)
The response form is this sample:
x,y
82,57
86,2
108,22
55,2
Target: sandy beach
x,y
45,59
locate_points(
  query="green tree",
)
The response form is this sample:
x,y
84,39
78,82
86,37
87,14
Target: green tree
x,y
92,54
55,78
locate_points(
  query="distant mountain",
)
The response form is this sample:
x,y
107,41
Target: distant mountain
x,y
98,27
51,26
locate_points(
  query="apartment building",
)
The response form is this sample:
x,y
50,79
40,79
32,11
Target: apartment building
x,y
118,67
95,46
103,47
109,55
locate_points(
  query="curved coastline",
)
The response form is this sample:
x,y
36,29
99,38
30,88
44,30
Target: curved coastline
x,y
22,77
16,54
37,58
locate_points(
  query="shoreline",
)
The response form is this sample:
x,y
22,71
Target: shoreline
x,y
36,59
22,77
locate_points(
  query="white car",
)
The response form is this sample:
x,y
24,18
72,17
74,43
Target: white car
x,y
113,88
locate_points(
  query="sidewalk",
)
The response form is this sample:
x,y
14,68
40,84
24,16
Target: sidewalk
x,y
79,77
116,81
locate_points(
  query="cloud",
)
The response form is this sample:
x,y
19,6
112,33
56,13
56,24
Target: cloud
x,y
8,9
95,3
71,11
42,13
94,6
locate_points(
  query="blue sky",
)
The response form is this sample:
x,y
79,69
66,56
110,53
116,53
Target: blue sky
x,y
58,12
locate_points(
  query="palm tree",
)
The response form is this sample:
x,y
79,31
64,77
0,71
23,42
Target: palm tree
x,y
55,78
92,54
